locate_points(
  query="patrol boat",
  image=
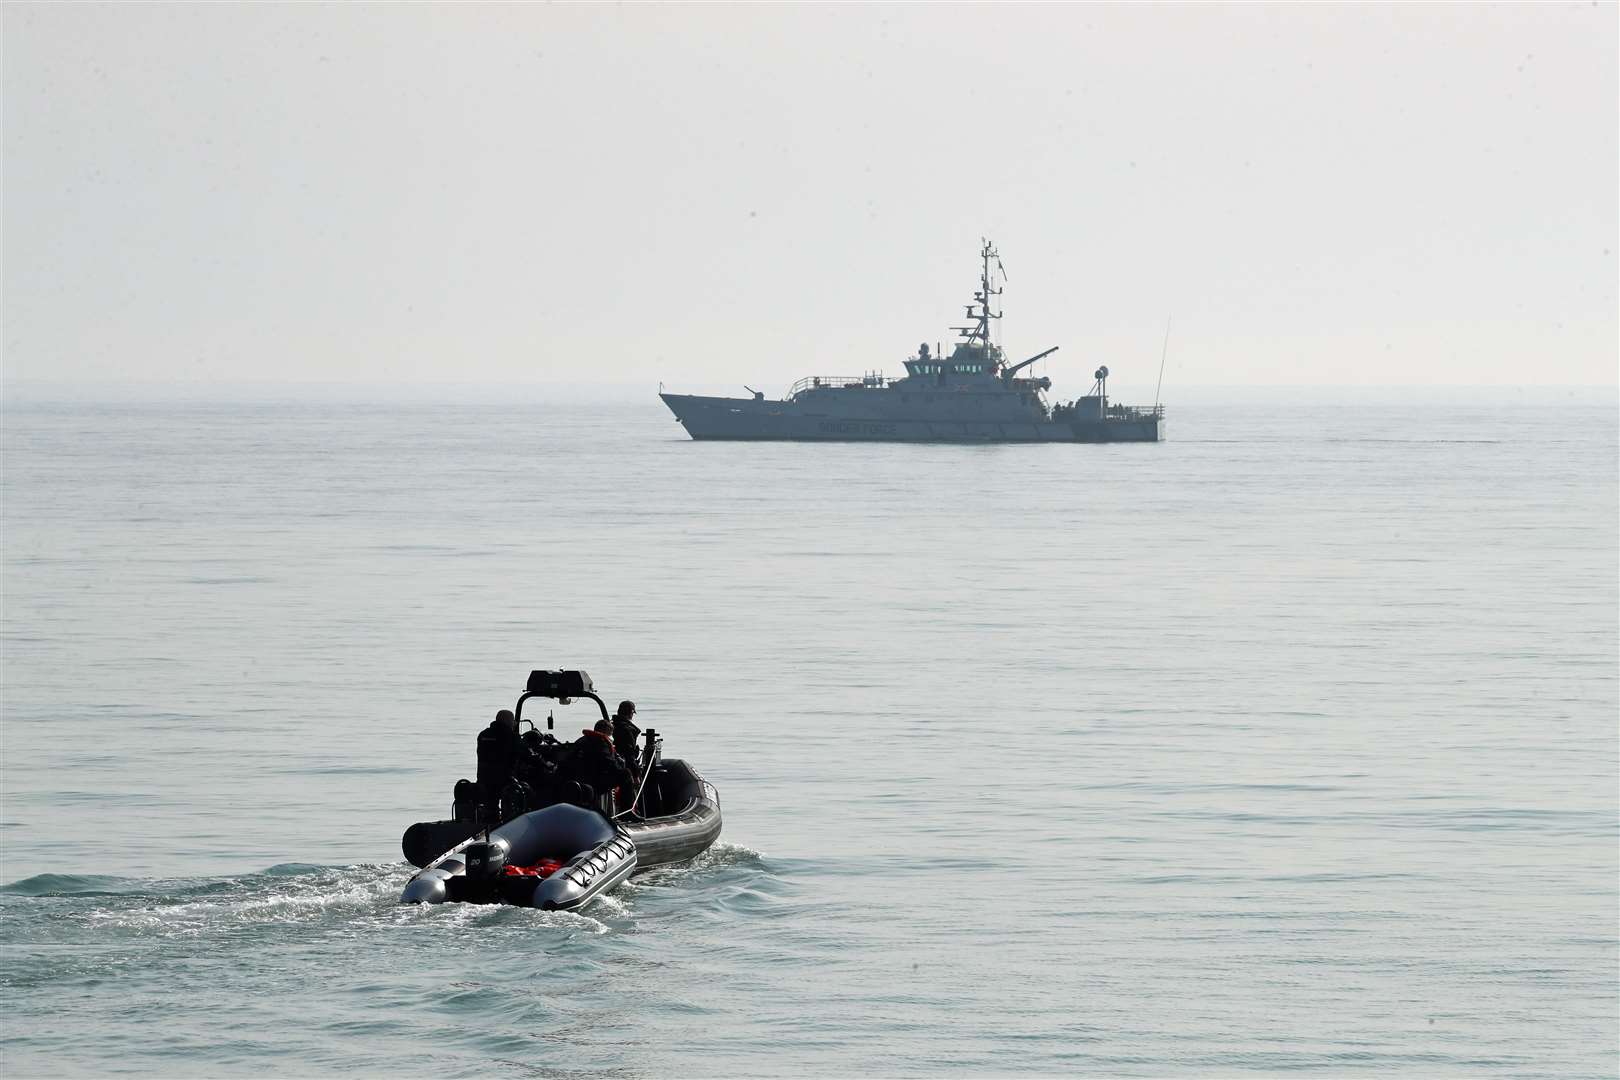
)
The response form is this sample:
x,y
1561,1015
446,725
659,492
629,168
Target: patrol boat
x,y
972,396
562,856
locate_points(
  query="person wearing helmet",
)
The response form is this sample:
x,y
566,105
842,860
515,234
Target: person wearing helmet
x,y
499,750
625,734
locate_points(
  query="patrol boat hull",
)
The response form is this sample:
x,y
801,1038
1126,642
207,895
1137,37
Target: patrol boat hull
x,y
757,420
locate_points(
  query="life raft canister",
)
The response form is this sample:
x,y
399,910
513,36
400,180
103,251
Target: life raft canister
x,y
542,869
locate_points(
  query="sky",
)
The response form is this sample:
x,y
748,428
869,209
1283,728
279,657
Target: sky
x,y
550,195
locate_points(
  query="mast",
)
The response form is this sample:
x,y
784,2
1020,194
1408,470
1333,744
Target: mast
x,y
986,253
980,312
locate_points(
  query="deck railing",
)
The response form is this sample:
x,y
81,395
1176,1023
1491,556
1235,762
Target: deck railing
x,y
818,382
1135,412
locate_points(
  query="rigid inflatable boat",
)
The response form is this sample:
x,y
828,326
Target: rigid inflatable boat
x,y
561,856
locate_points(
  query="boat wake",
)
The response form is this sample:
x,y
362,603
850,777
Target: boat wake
x,y
344,899
721,857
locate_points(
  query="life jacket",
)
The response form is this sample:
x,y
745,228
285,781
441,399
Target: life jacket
x,y
543,868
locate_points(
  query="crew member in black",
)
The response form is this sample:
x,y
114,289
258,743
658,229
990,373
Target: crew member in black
x,y
625,734
595,763
499,750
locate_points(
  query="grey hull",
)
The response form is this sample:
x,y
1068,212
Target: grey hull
x,y
754,420
675,838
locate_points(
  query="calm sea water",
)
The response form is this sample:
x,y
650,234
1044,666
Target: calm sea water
x,y
1288,745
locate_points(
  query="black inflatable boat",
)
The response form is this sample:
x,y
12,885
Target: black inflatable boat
x,y
562,855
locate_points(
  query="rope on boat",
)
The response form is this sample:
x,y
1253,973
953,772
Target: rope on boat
x,y
645,776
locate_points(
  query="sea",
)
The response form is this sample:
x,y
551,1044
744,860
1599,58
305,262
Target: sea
x,y
1285,746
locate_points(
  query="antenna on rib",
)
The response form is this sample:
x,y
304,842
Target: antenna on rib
x,y
1164,353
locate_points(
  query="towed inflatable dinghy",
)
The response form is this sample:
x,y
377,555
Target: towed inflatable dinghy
x,y
562,856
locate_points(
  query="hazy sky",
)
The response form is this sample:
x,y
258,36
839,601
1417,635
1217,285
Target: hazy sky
x,y
723,194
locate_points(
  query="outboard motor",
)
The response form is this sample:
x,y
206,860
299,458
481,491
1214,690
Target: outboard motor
x,y
481,865
485,860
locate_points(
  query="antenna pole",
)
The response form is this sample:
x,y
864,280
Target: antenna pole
x,y
984,297
1162,355
987,251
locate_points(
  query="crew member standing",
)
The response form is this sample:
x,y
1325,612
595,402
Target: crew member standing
x,y
498,751
626,735
596,764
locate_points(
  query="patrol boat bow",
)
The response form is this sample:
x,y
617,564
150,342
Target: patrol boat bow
x,y
972,396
